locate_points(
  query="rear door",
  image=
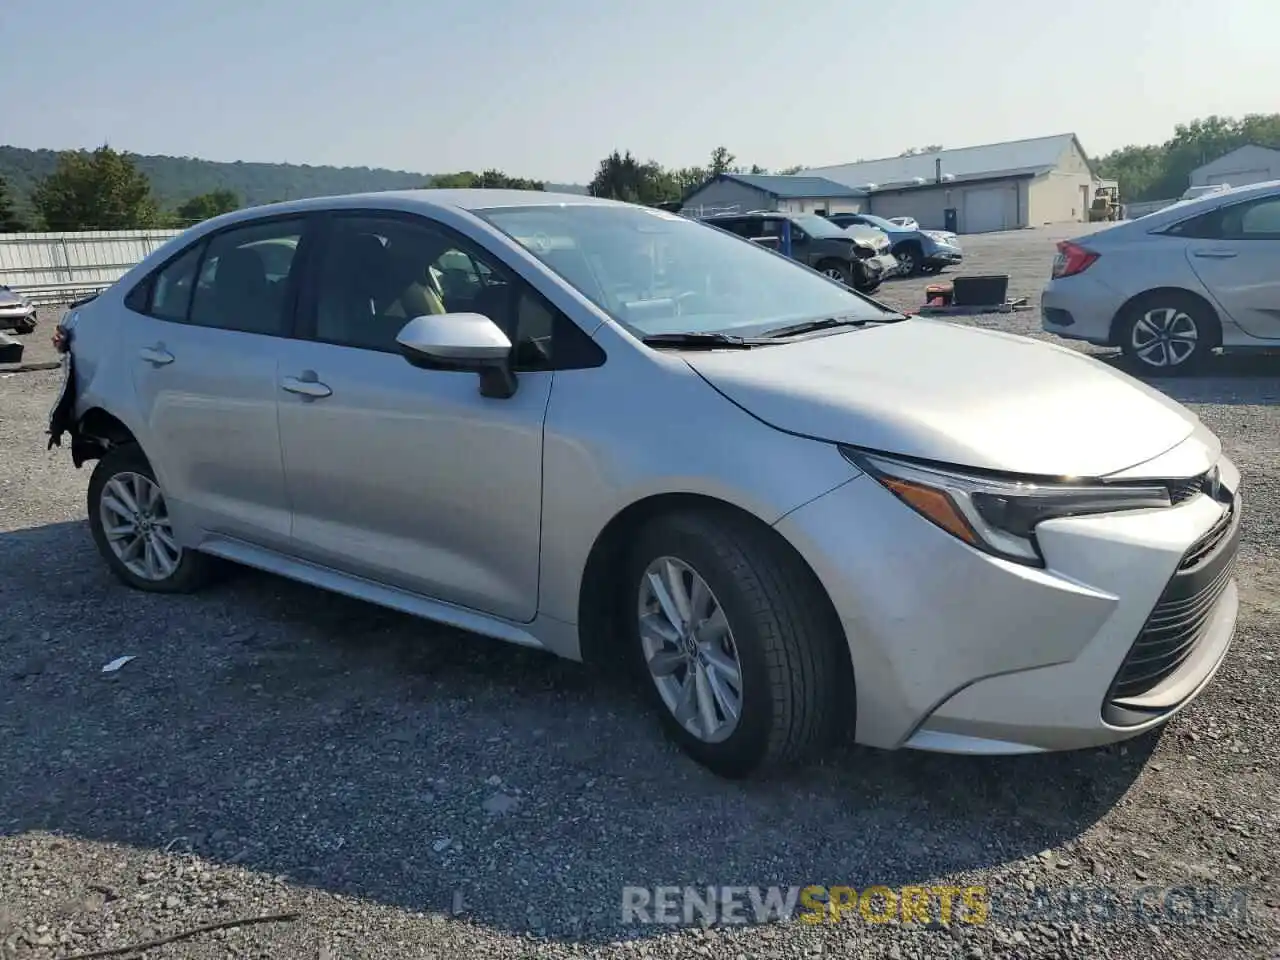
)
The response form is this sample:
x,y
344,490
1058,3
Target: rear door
x,y
205,342
1235,251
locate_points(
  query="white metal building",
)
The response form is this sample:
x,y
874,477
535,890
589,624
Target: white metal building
x,y
999,186
741,192
1245,165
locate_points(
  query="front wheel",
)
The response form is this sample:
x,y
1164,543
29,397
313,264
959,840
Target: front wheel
x,y
1168,334
130,522
910,259
839,272
733,642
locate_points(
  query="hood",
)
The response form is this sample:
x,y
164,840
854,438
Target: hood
x,y
958,395
9,298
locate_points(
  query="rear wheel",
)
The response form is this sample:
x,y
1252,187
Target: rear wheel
x,y
733,642
131,526
1168,333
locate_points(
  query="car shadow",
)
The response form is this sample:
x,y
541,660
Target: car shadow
x,y
1224,378
358,751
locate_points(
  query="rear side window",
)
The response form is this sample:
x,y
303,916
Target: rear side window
x,y
1253,220
244,278
171,287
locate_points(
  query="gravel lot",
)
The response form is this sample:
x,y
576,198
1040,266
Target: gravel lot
x,y
411,791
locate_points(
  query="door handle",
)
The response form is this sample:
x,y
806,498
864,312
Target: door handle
x,y
1214,254
309,388
157,356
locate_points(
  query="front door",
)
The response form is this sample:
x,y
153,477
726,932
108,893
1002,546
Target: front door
x,y
205,345
405,476
1235,251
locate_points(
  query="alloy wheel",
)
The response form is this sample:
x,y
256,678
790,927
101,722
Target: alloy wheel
x,y
136,524
1165,337
834,273
689,649
907,261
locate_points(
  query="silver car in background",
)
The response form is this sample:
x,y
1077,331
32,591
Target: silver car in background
x,y
1170,287
17,312
612,433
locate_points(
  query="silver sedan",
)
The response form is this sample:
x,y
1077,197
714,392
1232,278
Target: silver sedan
x,y
612,433
1171,287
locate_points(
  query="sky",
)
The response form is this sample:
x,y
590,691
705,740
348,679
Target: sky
x,y
546,89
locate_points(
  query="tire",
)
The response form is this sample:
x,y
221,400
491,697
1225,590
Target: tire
x,y
181,570
930,269
1155,331
840,272
910,258
781,635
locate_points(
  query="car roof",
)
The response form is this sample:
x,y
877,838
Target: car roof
x,y
471,200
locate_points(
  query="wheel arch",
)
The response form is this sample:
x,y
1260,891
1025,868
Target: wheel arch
x,y
601,599
96,432
1138,299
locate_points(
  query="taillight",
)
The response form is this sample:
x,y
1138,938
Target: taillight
x,y
1072,259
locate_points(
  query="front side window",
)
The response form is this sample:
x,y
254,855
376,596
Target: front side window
x,y
709,281
1258,220
378,273
244,278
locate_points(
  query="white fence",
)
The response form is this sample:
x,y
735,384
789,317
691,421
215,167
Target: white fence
x,y
49,264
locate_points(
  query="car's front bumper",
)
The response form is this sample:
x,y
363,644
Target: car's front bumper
x,y
16,313
960,651
888,265
942,255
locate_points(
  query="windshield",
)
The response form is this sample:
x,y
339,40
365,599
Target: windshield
x,y
880,222
656,272
816,226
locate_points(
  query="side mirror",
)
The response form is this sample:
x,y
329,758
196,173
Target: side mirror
x,y
461,342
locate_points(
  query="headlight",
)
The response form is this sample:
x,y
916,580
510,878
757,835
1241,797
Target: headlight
x,y
999,516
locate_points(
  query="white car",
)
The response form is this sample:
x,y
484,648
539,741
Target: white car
x,y
908,223
1172,286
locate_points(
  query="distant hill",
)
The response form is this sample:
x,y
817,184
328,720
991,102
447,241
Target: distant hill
x,y
175,179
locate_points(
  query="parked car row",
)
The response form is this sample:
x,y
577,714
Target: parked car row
x,y
1171,287
861,262
917,251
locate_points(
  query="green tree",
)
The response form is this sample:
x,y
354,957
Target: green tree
x,y
791,171
622,177
721,162
488,180
206,206
102,190
10,222
1158,172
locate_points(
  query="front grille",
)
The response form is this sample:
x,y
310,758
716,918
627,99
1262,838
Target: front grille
x,y
1180,491
1182,613
1209,541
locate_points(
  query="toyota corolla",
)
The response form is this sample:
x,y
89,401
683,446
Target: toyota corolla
x,y
612,433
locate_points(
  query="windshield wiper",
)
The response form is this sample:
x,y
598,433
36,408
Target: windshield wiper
x,y
827,323
702,341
